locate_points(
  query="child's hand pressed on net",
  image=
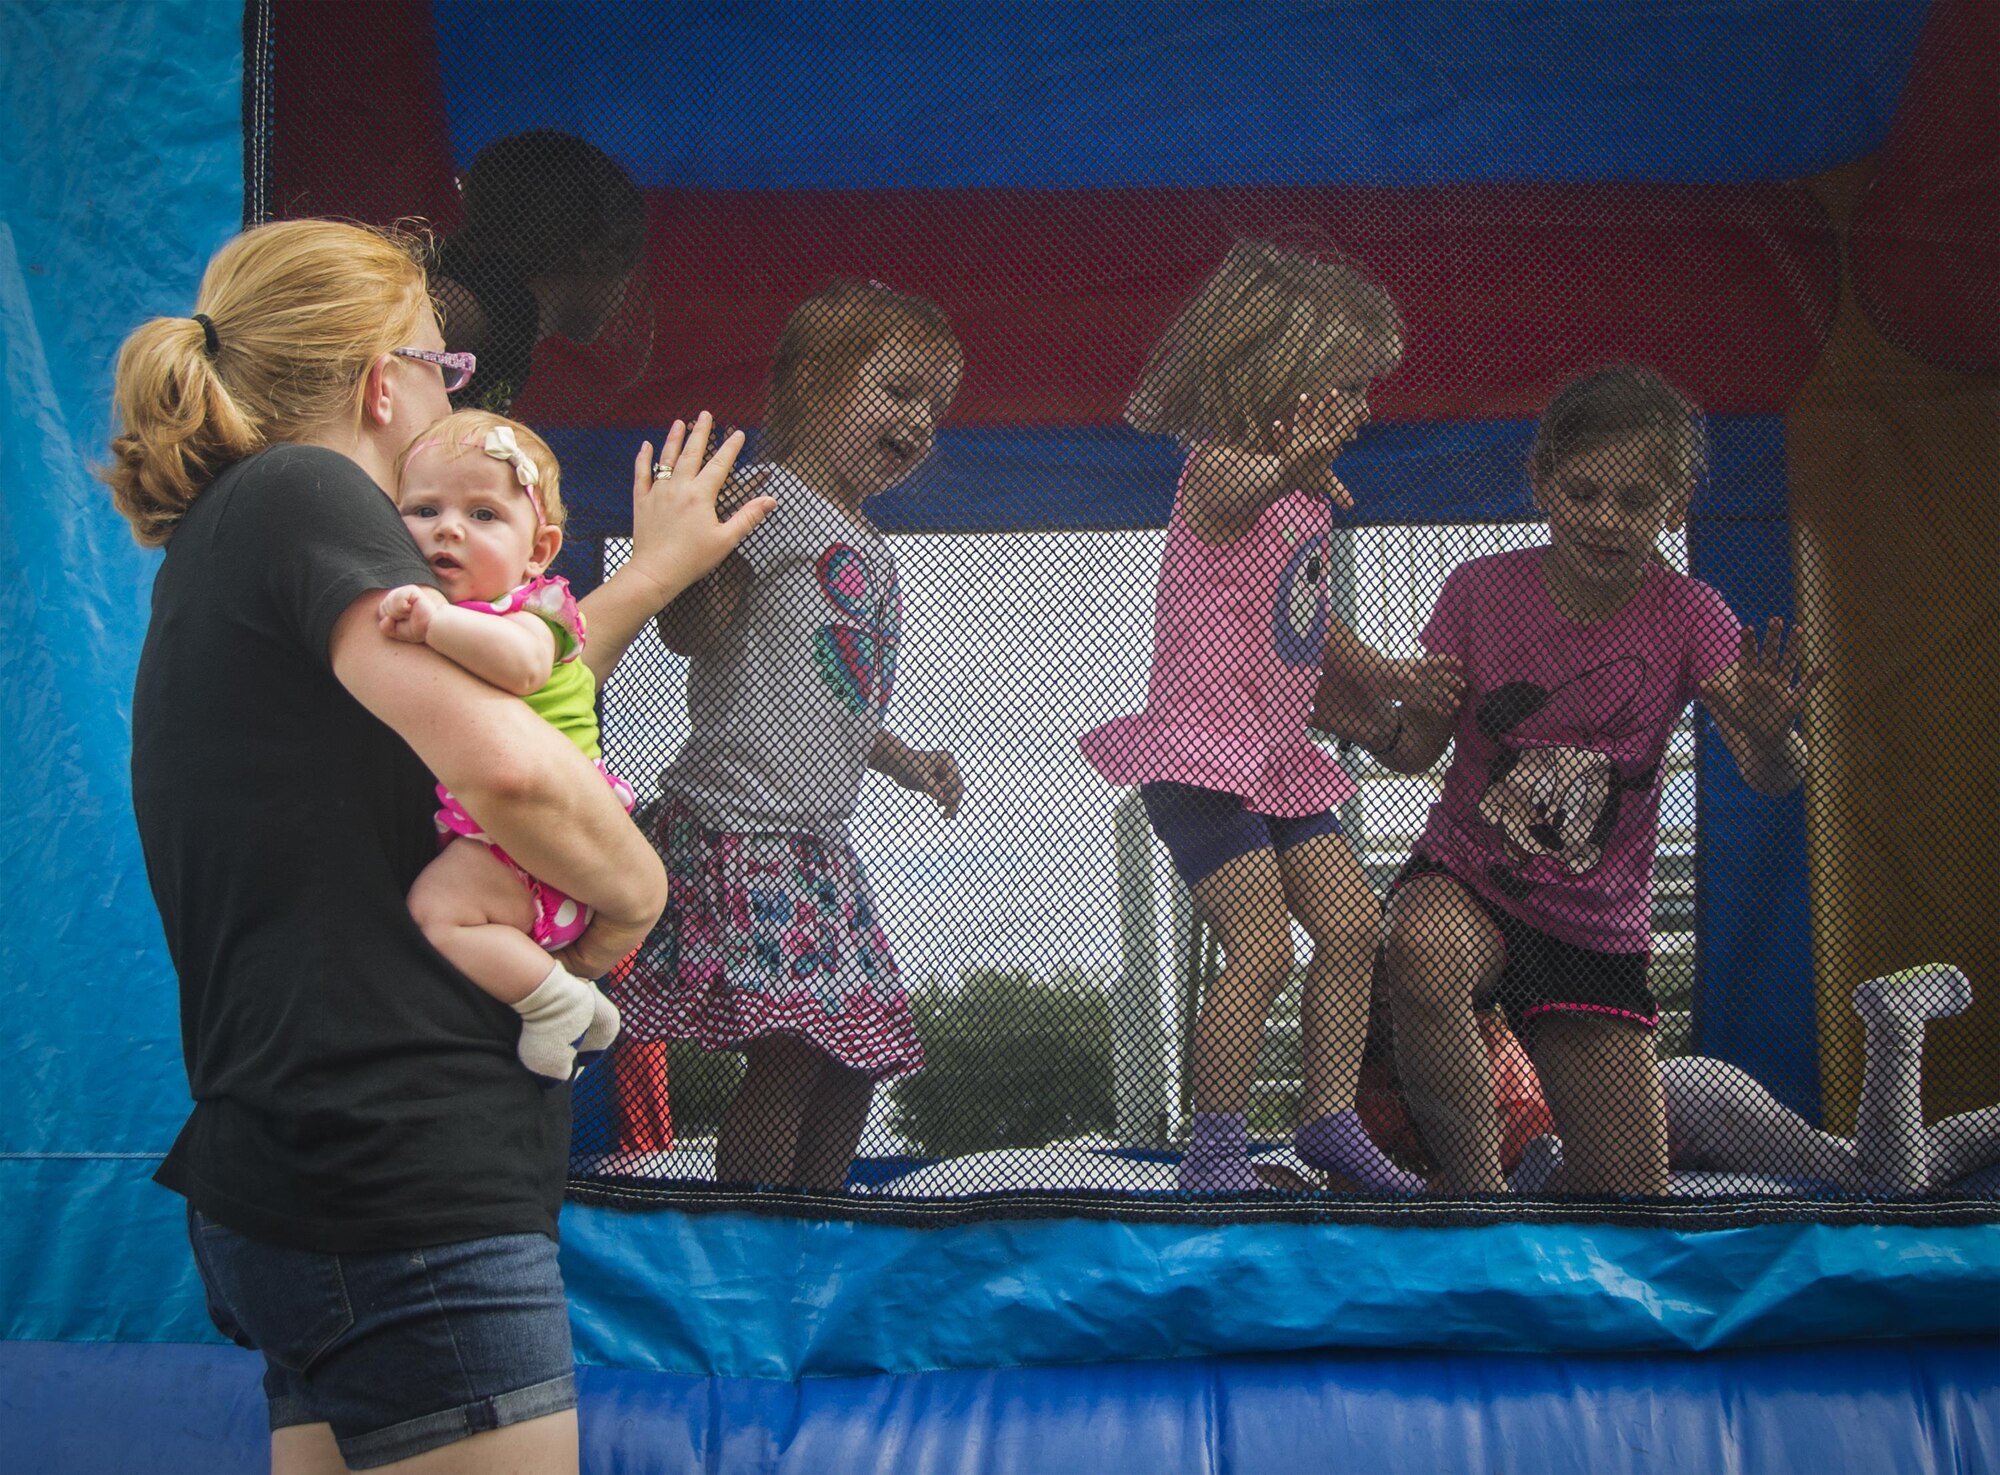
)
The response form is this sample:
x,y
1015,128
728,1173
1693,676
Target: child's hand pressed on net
x,y
1762,695
678,536
1322,426
405,613
932,772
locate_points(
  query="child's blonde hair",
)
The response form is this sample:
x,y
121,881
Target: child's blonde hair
x,y
463,433
827,339
297,311
1269,326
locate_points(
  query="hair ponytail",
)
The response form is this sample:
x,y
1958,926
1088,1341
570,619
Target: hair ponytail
x,y
179,427
297,311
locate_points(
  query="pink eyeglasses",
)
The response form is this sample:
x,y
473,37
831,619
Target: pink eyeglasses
x,y
456,367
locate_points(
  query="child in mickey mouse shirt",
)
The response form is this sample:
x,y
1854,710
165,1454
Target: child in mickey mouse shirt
x,y
1531,885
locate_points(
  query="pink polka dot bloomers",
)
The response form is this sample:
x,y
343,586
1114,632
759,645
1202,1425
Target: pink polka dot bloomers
x,y
559,919
568,701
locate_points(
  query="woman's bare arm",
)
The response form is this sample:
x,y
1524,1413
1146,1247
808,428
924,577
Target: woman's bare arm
x,y
527,785
694,622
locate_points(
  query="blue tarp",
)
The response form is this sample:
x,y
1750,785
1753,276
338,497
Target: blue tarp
x,y
122,173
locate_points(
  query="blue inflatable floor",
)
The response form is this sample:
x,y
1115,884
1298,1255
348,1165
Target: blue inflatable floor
x,y
1882,1408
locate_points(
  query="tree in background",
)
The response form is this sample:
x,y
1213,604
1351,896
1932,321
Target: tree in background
x,y
1008,1062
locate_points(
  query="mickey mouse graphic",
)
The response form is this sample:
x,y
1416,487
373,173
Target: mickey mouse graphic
x,y
1552,790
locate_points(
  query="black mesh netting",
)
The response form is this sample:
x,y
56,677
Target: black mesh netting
x,y
1515,862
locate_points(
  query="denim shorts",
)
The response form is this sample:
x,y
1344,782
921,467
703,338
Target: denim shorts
x,y
401,1351
1205,829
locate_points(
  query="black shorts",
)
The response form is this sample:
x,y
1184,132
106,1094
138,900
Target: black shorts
x,y
1544,974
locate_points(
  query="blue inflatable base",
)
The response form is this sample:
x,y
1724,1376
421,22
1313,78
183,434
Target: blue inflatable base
x,y
1876,1407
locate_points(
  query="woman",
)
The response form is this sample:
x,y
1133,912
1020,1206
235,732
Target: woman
x,y
553,236
372,1180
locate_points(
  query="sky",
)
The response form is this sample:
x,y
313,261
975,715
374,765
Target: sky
x,y
1014,645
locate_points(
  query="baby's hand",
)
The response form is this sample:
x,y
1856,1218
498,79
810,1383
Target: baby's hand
x,y
405,614
1433,684
936,773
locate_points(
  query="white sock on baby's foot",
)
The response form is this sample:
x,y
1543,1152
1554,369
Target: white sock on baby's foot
x,y
1904,1001
554,1020
604,1026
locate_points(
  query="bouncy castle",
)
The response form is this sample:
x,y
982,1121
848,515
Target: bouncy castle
x,y
1787,212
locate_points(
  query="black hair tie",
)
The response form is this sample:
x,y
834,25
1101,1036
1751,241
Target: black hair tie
x,y
212,345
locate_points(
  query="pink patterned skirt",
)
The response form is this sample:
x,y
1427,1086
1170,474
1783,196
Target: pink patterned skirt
x,y
767,934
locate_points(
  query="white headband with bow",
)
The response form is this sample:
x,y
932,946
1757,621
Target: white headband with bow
x,y
501,445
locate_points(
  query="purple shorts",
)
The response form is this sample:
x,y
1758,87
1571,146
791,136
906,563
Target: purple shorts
x,y
1205,829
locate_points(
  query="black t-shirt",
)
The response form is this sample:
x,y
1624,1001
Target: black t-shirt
x,y
352,1090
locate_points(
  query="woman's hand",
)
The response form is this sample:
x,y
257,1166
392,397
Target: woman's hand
x,y
603,946
677,535
406,612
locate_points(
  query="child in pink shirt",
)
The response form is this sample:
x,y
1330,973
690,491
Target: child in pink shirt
x,y
1532,882
1264,375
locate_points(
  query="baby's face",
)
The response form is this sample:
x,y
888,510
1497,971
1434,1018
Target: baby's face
x,y
473,523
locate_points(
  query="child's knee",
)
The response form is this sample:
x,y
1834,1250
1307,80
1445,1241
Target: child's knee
x,y
433,906
1416,969
1350,937
1261,962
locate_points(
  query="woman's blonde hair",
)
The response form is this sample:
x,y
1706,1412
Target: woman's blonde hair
x,y
463,433
299,309
827,339
1269,326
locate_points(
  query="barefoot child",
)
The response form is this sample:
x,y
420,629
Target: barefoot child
x,y
1263,377
772,944
1532,880
482,497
